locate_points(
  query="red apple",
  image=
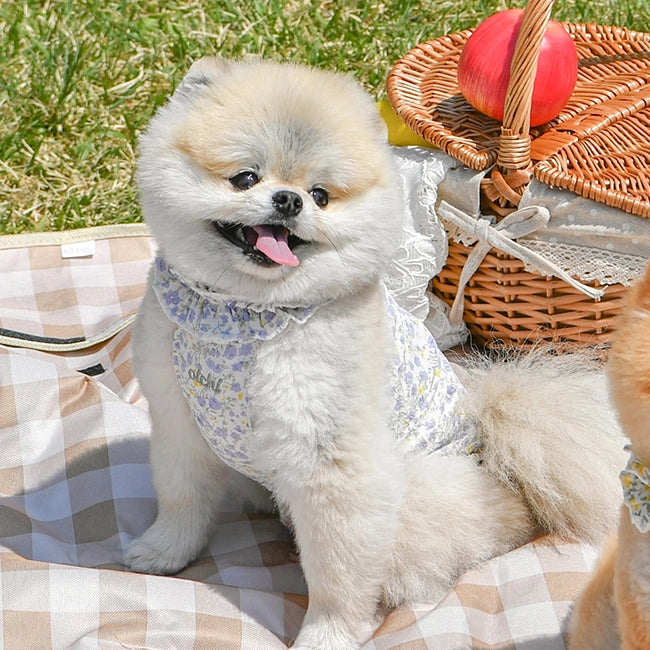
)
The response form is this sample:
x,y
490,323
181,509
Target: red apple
x,y
484,67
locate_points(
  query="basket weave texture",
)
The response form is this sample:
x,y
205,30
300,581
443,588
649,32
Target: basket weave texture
x,y
597,147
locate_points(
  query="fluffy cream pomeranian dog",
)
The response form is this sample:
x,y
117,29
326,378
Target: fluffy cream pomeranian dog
x,y
281,373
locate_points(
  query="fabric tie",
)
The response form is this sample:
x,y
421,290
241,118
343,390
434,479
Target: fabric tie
x,y
502,235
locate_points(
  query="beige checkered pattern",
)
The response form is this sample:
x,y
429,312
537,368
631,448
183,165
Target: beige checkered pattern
x,y
75,489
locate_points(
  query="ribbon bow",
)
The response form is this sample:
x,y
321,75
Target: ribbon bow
x,y
502,235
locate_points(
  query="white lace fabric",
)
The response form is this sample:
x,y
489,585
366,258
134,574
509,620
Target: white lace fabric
x,y
583,241
423,247
591,265
590,240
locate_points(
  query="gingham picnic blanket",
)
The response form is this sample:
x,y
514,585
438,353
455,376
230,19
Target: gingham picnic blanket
x,y
75,489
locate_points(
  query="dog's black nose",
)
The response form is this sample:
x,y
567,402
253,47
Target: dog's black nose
x,y
287,203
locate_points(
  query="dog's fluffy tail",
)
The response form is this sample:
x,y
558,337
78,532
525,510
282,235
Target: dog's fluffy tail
x,y
549,431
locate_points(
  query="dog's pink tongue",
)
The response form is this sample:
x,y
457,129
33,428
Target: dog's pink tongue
x,y
273,242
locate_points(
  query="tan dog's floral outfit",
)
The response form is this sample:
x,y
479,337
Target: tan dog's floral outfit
x,y
635,479
217,336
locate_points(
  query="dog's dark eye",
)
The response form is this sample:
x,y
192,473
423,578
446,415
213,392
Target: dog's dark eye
x,y
320,196
244,180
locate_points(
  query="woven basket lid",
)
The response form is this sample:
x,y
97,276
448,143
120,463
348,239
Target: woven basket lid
x,y
599,144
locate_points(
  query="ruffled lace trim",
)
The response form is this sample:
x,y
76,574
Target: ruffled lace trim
x,y
213,316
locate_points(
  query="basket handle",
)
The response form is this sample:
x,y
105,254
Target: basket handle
x,y
515,141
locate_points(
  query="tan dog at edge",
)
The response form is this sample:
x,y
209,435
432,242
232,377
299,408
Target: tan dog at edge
x,y
614,609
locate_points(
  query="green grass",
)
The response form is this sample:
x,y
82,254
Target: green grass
x,y
80,78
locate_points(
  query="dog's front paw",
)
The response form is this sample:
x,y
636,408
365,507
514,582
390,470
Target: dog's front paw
x,y
325,636
319,645
161,551
298,645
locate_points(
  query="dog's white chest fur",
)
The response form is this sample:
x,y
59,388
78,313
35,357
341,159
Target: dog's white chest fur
x,y
216,354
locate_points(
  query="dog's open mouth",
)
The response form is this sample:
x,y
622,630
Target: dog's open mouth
x,y
265,244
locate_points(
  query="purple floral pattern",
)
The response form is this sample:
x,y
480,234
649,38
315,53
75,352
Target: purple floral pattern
x,y
216,339
427,417
212,347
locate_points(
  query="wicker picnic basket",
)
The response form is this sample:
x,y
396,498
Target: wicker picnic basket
x,y
597,147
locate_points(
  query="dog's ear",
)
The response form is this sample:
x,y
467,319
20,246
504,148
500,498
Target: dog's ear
x,y
202,73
